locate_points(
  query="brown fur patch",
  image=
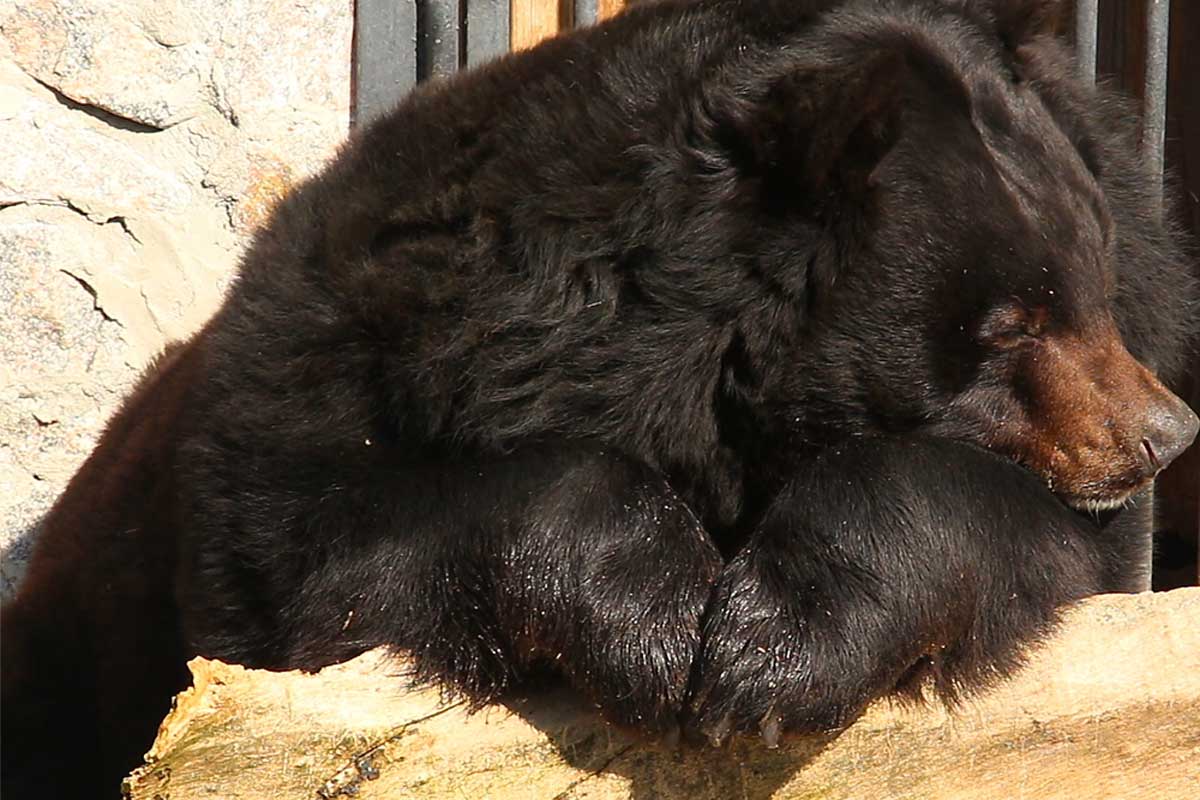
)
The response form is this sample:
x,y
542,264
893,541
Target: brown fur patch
x,y
1088,405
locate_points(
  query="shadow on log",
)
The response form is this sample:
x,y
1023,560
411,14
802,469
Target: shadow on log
x,y
1109,708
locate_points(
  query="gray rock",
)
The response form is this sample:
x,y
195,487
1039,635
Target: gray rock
x,y
141,142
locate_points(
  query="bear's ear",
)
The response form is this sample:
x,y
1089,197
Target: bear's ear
x,y
821,129
1018,21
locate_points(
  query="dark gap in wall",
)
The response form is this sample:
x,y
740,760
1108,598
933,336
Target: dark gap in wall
x,y
462,33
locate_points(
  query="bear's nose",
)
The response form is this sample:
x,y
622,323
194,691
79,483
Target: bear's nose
x,y
1168,434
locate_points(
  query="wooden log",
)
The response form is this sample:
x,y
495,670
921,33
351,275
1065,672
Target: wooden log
x,y
1109,708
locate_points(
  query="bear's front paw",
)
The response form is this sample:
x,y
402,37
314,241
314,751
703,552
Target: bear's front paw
x,y
638,673
776,658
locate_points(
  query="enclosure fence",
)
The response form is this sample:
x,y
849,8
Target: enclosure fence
x,y
400,42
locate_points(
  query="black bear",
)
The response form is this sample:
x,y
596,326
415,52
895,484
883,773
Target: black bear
x,y
741,360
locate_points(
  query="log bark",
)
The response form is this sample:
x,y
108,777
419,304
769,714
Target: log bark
x,y
1108,708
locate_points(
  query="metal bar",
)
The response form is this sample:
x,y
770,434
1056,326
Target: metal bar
x,y
1087,23
385,55
1139,517
1154,125
1154,128
487,30
586,12
439,40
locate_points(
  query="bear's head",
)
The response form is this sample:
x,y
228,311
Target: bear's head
x,y
988,260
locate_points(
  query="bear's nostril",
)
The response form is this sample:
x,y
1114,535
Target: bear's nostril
x,y
1169,435
1151,457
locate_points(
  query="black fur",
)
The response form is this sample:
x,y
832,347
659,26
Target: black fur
x,y
508,384
891,564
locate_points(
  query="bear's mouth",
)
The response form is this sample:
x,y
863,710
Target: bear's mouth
x,y
1100,503
1096,505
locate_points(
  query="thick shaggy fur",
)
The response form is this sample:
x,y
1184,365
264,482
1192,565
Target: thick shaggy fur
x,y
700,356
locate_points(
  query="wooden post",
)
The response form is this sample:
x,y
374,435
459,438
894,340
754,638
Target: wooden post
x,y
606,8
534,20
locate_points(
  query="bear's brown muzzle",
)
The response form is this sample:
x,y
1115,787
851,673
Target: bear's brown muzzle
x,y
1098,425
